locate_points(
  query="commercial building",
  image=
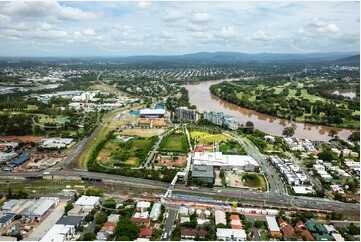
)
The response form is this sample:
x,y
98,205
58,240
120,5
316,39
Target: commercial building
x,y
220,217
151,113
55,143
226,162
186,114
202,172
231,234
88,202
292,174
273,228
221,119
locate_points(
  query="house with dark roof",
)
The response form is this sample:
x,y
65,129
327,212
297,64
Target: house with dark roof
x,y
192,233
143,222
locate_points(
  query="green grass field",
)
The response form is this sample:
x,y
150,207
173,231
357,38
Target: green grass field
x,y
213,138
176,141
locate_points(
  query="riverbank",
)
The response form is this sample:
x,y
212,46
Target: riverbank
x,y
200,96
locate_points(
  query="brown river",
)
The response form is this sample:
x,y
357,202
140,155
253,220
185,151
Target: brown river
x,y
200,96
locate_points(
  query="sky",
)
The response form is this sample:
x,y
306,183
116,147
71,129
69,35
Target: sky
x,y
126,28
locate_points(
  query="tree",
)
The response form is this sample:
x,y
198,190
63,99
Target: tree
x,y
101,218
354,137
89,236
249,127
126,228
333,134
259,223
288,132
88,218
326,154
68,207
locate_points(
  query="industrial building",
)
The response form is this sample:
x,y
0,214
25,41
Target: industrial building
x,y
40,208
221,119
88,202
226,162
8,145
186,114
6,219
19,161
5,157
55,143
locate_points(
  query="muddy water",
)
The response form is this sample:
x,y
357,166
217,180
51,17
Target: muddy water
x,y
345,93
200,96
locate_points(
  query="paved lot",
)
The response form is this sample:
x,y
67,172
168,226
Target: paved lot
x,y
46,224
169,222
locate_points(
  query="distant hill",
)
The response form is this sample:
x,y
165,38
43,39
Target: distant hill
x,y
233,57
206,58
351,60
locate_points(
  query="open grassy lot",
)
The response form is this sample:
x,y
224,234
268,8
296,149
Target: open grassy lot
x,y
214,138
101,133
142,132
252,180
204,137
232,147
175,141
132,152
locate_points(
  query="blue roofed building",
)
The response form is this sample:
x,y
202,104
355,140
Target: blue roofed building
x,y
19,161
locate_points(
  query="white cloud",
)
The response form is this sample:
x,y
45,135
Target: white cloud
x,y
46,26
173,16
200,17
143,4
89,32
45,8
259,36
227,32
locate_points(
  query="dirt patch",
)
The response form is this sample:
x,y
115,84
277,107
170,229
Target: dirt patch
x,y
25,138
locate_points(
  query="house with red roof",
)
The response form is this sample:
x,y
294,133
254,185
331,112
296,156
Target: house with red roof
x,y
145,232
287,230
305,234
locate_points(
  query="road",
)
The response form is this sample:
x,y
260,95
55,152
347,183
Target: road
x,y
152,153
276,186
246,196
168,227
